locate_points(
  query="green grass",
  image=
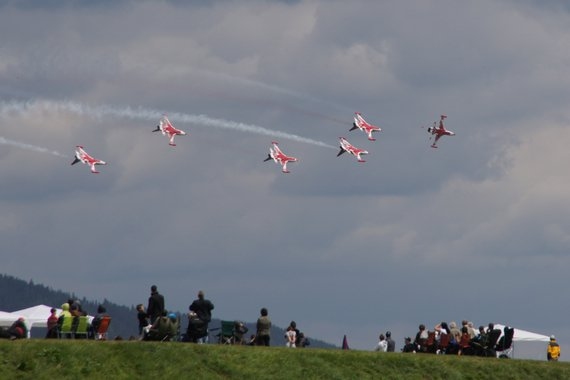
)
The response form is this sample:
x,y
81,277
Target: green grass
x,y
43,359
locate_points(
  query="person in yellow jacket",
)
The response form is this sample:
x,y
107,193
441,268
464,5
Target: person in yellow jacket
x,y
553,349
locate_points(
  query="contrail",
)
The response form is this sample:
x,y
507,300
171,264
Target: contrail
x,y
105,111
30,147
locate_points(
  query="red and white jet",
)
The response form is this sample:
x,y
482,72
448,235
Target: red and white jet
x,y
345,146
82,156
364,126
439,131
167,129
279,157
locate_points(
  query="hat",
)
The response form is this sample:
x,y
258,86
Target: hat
x,y
172,316
388,333
552,337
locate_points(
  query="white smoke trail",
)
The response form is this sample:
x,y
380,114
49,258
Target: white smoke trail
x,y
105,111
34,148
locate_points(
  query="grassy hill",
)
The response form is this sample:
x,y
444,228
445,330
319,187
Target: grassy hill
x,y
43,359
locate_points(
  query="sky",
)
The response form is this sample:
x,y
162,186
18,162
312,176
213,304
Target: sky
x,y
478,229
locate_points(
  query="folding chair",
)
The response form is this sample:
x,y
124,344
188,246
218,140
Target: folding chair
x,y
430,343
66,328
101,333
443,343
226,335
82,328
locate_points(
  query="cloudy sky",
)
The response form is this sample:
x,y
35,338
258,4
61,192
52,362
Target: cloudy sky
x,y
478,229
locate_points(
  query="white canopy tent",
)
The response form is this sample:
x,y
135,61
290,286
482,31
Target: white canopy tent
x,y
6,318
35,316
525,336
529,345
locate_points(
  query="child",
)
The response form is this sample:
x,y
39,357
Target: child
x,y
143,319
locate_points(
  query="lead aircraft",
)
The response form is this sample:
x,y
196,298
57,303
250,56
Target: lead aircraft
x,y
167,129
279,157
345,146
82,156
439,131
364,126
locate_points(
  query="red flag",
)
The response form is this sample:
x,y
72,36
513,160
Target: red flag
x,y
345,343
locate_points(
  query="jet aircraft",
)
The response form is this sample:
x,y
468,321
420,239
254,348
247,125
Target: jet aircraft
x,y
279,157
345,146
364,126
439,131
82,156
168,129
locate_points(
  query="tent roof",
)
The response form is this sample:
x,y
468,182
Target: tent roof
x,y
36,315
6,318
525,336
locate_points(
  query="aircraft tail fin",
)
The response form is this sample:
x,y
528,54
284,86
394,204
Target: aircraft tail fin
x,y
75,161
157,129
354,126
341,152
268,158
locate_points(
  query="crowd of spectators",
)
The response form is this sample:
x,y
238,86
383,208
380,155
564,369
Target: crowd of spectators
x,y
452,339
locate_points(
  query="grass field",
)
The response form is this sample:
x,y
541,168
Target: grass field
x,y
43,359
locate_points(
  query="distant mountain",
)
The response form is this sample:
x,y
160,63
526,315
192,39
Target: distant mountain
x,y
16,294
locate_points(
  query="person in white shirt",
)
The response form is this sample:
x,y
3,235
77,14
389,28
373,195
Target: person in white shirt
x,y
382,344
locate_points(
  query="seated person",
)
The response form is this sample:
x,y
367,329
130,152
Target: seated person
x,y
239,331
409,346
303,340
197,328
96,322
18,330
174,324
142,317
160,329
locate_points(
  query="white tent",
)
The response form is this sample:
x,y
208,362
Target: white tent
x,y
35,316
6,319
524,336
529,345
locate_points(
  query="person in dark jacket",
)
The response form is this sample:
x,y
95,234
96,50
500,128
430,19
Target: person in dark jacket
x,y
390,341
203,309
263,335
155,304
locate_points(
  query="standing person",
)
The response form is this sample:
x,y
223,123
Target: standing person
x,y
155,304
553,350
290,337
263,335
293,324
203,309
52,324
390,342
382,345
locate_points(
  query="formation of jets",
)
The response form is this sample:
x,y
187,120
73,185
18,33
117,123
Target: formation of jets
x,y
275,153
